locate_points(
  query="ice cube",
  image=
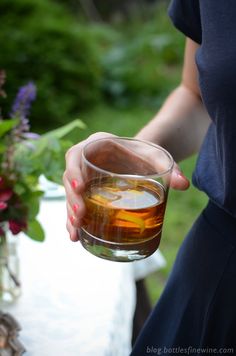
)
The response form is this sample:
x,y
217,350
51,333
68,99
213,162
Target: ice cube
x,y
105,194
136,200
124,184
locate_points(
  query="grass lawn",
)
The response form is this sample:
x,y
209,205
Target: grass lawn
x,y
183,207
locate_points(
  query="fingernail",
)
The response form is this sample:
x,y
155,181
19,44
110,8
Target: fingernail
x,y
184,179
74,183
75,208
72,219
179,174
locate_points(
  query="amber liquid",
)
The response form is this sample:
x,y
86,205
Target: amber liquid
x,y
124,214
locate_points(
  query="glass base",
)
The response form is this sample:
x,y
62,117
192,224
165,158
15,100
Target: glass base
x,y
9,297
119,252
10,288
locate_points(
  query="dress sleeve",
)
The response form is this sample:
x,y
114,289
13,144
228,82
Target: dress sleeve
x,y
185,15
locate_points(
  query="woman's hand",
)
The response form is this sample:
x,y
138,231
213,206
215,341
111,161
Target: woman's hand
x,y
74,184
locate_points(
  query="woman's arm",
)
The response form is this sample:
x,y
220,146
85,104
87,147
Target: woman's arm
x,y
181,123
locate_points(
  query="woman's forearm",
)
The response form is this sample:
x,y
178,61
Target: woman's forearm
x,y
180,125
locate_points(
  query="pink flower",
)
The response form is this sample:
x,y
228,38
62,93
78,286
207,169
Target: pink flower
x,y
17,226
5,194
3,205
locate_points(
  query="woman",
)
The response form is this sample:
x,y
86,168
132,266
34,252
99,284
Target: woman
x,y
197,309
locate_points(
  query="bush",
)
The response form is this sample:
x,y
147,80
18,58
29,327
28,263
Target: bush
x,y
134,71
75,65
143,66
41,41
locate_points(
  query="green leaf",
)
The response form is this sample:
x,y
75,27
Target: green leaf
x,y
7,125
35,231
40,146
66,129
33,200
2,148
19,188
54,144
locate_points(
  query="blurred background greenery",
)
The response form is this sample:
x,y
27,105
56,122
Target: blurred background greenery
x,y
128,58
111,64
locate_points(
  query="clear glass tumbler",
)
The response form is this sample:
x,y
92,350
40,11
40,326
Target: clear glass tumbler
x,y
126,189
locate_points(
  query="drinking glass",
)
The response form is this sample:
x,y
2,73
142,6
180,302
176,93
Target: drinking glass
x,y
126,189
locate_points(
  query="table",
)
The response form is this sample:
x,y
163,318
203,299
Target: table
x,y
72,302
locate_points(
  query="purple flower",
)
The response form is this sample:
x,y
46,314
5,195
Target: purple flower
x,y
31,135
22,104
20,110
20,132
2,82
17,226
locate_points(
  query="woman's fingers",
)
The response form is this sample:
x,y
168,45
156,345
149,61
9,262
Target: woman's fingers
x,y
74,186
178,180
71,230
72,175
73,172
73,224
74,200
75,211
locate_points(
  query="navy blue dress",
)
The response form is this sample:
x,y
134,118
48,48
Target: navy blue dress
x,y
196,314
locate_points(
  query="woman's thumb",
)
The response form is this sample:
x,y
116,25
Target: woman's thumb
x,y
178,180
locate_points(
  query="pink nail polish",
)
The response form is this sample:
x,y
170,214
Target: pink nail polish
x,y
72,219
74,183
75,208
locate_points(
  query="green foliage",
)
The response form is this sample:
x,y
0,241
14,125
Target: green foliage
x,y
46,154
134,70
142,63
41,41
35,231
19,175
76,65
43,156
6,126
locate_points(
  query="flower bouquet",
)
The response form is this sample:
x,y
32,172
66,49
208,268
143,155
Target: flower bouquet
x,y
24,157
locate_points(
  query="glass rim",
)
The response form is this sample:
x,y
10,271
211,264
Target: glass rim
x,y
123,175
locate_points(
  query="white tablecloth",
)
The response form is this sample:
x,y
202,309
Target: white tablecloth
x,y
72,302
